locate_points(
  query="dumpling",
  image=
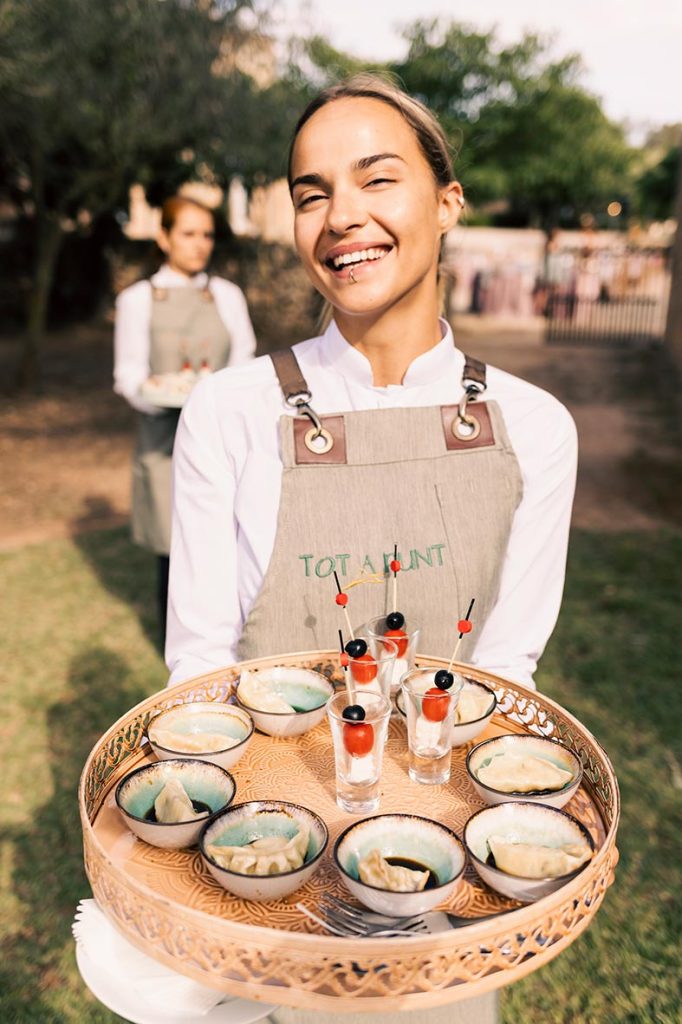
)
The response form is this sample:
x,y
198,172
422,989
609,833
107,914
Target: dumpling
x,y
173,804
530,861
472,704
375,870
512,773
270,855
193,742
260,695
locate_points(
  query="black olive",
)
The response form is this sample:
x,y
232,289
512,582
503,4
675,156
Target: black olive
x,y
443,679
356,648
395,620
354,713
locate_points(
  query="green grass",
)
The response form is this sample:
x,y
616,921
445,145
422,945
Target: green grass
x,y
78,650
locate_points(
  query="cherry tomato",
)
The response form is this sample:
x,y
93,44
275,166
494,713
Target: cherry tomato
x,y
399,636
364,669
435,707
358,738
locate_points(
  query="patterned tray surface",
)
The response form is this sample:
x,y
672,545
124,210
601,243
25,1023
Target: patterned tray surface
x,y
303,770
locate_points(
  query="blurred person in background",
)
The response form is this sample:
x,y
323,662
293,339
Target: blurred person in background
x,y
180,321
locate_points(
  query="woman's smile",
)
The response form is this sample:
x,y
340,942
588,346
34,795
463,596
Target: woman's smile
x,y
358,258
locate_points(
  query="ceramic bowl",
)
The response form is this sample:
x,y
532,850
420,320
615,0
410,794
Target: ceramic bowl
x,y
243,823
305,690
206,783
521,821
535,746
463,732
208,717
405,837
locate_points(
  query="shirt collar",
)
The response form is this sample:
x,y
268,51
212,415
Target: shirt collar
x,y
428,368
167,278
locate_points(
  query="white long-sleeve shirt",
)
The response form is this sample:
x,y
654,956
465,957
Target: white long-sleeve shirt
x,y
133,321
227,481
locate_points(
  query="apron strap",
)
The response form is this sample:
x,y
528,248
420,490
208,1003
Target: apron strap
x,y
462,429
293,383
473,377
291,380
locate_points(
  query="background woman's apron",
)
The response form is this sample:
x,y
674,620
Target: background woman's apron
x,y
185,325
392,476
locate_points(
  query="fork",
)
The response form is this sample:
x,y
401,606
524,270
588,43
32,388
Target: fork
x,y
344,918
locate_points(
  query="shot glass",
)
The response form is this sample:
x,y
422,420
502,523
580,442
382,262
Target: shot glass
x,y
358,749
407,645
373,672
430,718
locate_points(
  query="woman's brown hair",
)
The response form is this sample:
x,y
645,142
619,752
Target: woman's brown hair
x,y
423,123
172,208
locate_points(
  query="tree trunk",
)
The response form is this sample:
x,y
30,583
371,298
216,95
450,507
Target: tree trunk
x,y
673,331
49,237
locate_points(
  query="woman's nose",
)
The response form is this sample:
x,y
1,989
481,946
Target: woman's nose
x,y
345,211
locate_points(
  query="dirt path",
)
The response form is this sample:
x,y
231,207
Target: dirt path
x,y
65,455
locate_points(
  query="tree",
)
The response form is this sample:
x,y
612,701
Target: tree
x,y
94,96
523,126
657,187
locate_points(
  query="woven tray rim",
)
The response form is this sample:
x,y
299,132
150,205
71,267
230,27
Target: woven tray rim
x,y
297,944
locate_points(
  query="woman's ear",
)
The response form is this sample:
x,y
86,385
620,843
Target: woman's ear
x,y
162,241
451,204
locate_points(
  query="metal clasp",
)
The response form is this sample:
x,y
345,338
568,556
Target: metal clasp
x,y
466,426
317,440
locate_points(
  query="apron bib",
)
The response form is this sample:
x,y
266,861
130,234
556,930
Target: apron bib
x,y
185,325
404,476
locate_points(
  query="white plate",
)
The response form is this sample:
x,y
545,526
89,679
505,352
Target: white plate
x,y
113,993
166,399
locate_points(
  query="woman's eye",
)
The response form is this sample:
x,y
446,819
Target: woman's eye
x,y
307,200
381,181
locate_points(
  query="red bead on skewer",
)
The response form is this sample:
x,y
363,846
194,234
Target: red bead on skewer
x,y
342,601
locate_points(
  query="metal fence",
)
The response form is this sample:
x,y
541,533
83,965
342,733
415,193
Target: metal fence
x,y
604,296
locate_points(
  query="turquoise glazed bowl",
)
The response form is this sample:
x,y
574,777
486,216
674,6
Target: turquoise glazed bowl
x,y
210,788
303,689
521,822
242,824
410,840
525,746
207,718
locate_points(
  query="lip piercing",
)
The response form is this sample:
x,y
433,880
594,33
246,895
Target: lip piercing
x,y
352,276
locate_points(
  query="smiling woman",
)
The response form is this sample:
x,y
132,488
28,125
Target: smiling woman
x,y
317,460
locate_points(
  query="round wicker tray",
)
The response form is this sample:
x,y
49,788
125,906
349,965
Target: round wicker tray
x,y
167,904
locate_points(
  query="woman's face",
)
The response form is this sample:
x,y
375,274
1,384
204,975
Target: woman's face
x,y
367,207
189,243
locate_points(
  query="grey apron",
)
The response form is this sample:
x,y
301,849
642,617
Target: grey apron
x,y
444,484
185,325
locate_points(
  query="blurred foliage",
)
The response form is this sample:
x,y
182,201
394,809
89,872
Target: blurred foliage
x,y
525,130
656,186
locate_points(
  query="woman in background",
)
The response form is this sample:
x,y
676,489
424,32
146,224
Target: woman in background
x,y
180,317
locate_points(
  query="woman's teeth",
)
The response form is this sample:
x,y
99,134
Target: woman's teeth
x,y
360,256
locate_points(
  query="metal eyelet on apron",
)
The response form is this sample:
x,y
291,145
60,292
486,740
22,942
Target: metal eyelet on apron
x,y
466,426
317,440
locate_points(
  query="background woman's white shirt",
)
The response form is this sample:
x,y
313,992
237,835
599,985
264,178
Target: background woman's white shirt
x,y
227,481
133,321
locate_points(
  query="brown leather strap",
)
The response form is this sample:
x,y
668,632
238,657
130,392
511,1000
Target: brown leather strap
x,y
474,373
293,383
291,380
